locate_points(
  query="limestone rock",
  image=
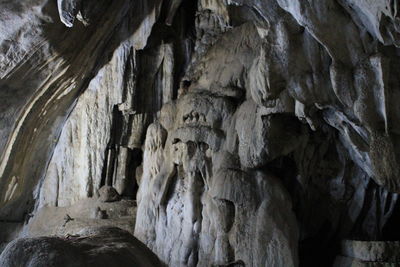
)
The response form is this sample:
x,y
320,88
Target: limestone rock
x,y
351,262
198,193
50,220
51,77
256,133
372,251
94,247
108,194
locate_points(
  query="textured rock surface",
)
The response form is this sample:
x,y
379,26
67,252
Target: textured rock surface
x,y
351,262
369,253
256,133
372,250
62,221
196,192
43,77
92,247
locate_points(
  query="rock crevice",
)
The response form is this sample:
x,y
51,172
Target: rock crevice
x,y
250,133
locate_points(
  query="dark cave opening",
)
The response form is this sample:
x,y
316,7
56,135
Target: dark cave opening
x,y
391,230
320,236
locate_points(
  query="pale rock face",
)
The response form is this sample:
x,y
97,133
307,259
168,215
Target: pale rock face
x,y
265,142
378,17
80,151
200,195
45,67
255,133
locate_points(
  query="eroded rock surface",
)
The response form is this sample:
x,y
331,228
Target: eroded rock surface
x,y
255,133
61,221
197,192
373,251
369,253
92,247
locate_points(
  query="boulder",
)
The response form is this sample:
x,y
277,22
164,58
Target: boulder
x,y
102,247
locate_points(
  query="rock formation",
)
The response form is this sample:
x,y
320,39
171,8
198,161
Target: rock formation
x,y
92,247
247,132
195,191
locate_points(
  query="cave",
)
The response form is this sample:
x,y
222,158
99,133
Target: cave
x,y
199,133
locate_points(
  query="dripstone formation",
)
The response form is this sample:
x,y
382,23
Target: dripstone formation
x,y
217,132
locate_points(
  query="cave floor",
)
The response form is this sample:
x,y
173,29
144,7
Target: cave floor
x,y
69,221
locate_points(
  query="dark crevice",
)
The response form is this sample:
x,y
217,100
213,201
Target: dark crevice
x,y
391,231
111,152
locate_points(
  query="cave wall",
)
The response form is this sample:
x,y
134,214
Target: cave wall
x,y
254,132
49,78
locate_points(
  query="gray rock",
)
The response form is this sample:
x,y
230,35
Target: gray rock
x,y
94,247
250,126
193,190
380,251
108,194
341,261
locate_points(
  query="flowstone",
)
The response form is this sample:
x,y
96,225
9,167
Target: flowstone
x,y
197,204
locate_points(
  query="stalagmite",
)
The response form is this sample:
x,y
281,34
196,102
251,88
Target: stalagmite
x,y
217,132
